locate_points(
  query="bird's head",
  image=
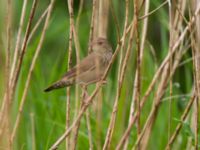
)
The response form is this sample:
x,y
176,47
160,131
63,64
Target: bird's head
x,y
101,45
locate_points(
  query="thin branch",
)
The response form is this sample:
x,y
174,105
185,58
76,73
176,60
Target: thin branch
x,y
143,38
171,31
16,124
76,128
183,117
119,87
32,116
94,15
69,65
8,51
79,15
89,130
17,47
138,69
103,18
120,80
196,123
159,94
196,66
115,20
5,118
23,50
143,100
38,24
153,11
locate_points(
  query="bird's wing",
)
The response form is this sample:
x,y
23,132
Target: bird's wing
x,y
86,64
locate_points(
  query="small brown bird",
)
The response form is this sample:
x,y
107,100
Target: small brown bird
x,y
90,69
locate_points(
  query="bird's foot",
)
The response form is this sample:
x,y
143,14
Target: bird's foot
x,y
84,92
86,102
104,82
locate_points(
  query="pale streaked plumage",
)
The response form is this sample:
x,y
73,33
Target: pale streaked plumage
x,y
90,69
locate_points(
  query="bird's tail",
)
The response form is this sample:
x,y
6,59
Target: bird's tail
x,y
59,84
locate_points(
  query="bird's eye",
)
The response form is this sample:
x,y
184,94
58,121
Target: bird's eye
x,y
100,42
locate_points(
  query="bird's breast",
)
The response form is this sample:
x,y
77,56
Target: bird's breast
x,y
107,57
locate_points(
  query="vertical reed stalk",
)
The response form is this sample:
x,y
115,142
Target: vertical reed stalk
x,y
16,124
69,64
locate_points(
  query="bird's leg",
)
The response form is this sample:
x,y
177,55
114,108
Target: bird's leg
x,y
104,81
84,94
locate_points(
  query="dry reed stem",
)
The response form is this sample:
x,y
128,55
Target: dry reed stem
x,y
196,66
161,89
195,78
112,120
16,54
116,20
197,81
17,47
92,27
12,83
34,29
79,15
143,100
171,31
146,131
98,115
16,124
143,37
8,50
138,69
76,128
32,116
170,68
89,130
123,44
69,65
5,120
14,78
103,15
23,49
37,24
96,18
189,143
148,125
77,49
144,28
196,123
103,18
68,102
121,71
153,11
77,46
183,117
175,24
120,81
